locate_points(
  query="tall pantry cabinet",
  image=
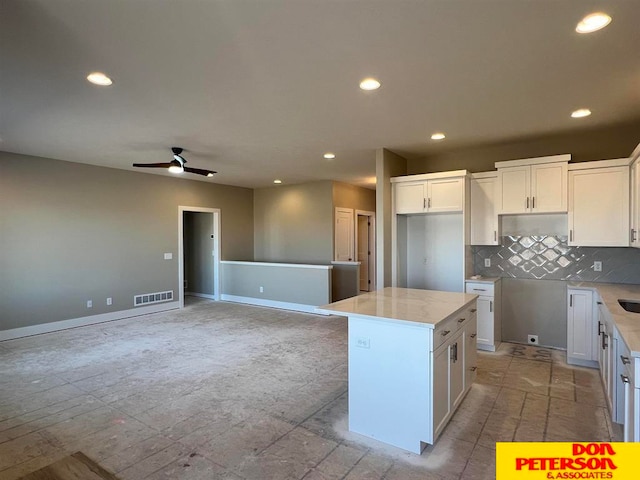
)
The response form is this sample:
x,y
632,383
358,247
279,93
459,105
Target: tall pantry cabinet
x,y
430,231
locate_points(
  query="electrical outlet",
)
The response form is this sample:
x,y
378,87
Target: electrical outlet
x,y
597,266
487,262
89,303
362,342
261,289
109,301
532,339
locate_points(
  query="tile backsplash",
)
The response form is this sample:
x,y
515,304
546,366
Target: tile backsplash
x,y
549,257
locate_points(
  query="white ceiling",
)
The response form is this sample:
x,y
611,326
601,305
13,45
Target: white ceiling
x,y
260,89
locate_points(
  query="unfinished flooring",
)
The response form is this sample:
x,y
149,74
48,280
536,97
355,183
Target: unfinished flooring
x,y
225,391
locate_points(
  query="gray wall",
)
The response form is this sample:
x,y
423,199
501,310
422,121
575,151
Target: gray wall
x,y
615,141
198,245
350,196
294,223
73,232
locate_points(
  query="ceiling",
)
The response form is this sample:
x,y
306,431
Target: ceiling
x,y
260,89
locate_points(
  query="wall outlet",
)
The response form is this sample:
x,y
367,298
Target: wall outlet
x,y
532,339
597,266
168,256
109,301
261,289
89,303
362,342
487,262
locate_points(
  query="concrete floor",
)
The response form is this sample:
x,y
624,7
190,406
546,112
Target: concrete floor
x,y
224,391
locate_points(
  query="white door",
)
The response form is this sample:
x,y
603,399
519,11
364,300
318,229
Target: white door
x,y
440,386
485,321
484,219
445,195
456,370
549,187
516,187
410,197
344,235
579,325
364,251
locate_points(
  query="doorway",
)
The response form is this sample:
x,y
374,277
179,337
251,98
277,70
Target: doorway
x,y
198,252
366,249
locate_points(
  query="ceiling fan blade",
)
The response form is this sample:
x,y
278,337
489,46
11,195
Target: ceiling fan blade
x,y
199,171
153,165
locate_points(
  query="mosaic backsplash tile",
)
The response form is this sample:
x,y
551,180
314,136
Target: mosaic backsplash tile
x,y
549,257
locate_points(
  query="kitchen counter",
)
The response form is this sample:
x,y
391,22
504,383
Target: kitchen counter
x,y
627,323
426,307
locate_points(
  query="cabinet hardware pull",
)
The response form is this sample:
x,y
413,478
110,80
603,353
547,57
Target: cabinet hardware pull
x,y
633,235
490,306
445,333
570,300
533,202
460,320
473,369
495,235
527,202
473,310
625,360
624,378
571,235
599,327
479,290
473,335
605,344
600,303
429,203
424,203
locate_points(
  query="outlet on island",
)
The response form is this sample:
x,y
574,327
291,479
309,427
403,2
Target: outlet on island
x,y
261,289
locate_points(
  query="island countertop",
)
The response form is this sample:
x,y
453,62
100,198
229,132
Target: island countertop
x,y
426,307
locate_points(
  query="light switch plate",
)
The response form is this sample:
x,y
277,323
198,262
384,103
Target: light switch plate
x,y
168,256
597,266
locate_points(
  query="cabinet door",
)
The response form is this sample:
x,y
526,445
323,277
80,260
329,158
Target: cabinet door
x,y
456,369
599,207
470,353
549,188
410,197
516,189
441,406
484,219
635,204
580,329
445,195
485,321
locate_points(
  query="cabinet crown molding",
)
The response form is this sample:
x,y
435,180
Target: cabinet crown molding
x,y
534,161
430,176
616,162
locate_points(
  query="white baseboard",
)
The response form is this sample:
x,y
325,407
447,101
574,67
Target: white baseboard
x,y
200,295
83,321
583,363
261,302
485,347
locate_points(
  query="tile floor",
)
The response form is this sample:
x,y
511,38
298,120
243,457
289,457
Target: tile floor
x,y
224,391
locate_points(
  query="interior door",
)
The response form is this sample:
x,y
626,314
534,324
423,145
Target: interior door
x,y
344,235
364,251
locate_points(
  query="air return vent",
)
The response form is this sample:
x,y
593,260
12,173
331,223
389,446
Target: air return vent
x,y
147,298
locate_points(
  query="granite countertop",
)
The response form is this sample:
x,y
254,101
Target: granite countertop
x,y
425,307
627,323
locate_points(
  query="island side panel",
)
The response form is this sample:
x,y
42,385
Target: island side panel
x,y
389,380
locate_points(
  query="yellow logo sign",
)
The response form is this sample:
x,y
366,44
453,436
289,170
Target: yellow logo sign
x,y
549,460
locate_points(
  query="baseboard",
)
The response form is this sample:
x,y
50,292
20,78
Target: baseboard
x,y
583,363
485,347
262,302
83,321
200,295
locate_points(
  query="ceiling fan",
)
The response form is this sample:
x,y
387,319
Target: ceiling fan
x,y
177,165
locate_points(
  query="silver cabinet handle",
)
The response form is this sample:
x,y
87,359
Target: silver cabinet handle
x,y
571,235
473,310
495,235
527,202
460,320
625,360
445,333
633,235
473,369
599,327
571,300
473,335
490,306
533,202
624,378
429,203
479,290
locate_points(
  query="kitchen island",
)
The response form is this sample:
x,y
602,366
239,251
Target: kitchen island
x,y
412,358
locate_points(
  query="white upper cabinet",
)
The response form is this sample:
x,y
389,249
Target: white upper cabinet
x,y
599,204
635,199
484,216
534,185
430,193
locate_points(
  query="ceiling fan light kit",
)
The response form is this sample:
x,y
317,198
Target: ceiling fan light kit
x,y
177,165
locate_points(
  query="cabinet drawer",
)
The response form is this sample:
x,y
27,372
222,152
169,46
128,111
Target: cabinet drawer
x,y
449,327
480,288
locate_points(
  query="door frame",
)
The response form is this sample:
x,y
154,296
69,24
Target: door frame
x,y
372,245
216,249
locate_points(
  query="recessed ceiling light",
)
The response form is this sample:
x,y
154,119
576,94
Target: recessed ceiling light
x,y
329,155
99,78
369,84
593,22
277,182
580,113
437,136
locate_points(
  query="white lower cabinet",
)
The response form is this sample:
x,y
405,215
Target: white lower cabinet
x,y
581,333
489,316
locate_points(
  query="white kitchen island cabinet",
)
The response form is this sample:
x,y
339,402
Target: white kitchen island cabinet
x,y
411,361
